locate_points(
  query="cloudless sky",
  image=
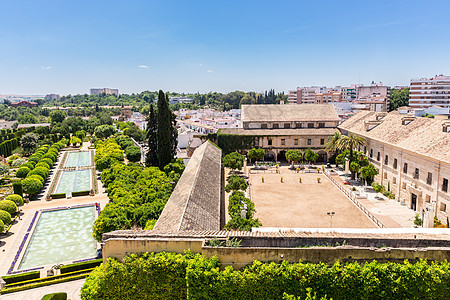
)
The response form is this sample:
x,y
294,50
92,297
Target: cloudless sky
x,y
65,46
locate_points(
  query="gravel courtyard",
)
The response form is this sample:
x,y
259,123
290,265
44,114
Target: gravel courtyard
x,y
296,205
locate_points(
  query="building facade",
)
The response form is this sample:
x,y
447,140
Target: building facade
x,y
279,128
428,92
52,97
412,155
24,104
107,91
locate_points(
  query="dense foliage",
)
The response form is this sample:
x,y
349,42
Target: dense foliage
x,y
5,217
399,98
17,199
151,159
175,276
235,183
256,153
238,204
233,160
8,206
107,152
166,132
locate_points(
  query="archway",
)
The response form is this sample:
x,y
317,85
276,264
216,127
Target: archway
x,y
269,156
322,156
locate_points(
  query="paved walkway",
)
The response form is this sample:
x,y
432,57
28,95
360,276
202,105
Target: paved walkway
x,y
72,288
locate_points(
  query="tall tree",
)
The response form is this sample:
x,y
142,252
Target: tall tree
x,y
151,159
165,131
350,143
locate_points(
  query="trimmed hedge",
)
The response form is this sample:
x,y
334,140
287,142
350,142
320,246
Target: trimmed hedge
x,y
15,198
176,276
9,206
9,279
18,189
5,217
81,193
55,296
58,196
81,266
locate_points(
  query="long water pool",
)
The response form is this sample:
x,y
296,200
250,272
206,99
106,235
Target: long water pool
x,y
78,159
61,235
74,181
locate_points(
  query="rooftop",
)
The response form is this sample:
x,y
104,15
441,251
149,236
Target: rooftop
x,y
196,199
274,112
280,132
422,135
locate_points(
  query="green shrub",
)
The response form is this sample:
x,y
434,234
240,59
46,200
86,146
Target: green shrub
x,y
16,199
22,172
48,161
81,193
81,266
55,296
43,164
18,162
9,279
2,226
31,185
41,171
35,176
9,206
133,153
5,217
58,196
18,189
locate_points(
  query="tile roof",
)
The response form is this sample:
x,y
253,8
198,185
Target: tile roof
x,y
298,112
195,201
422,135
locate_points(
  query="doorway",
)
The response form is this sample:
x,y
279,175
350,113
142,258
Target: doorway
x,y
413,201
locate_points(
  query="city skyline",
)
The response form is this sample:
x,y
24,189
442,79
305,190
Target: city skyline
x,y
69,48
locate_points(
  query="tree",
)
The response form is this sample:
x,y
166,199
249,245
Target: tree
x,y
8,206
75,140
165,132
350,143
333,142
233,161
294,155
311,156
236,183
104,131
5,217
17,199
256,153
135,132
31,185
398,98
81,134
151,159
133,153
57,116
368,172
29,142
27,119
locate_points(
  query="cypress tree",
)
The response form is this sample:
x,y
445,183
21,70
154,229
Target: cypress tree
x,y
151,159
164,131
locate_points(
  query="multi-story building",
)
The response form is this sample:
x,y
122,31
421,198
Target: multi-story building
x,y
305,95
376,97
24,104
427,92
412,155
329,97
107,91
278,128
295,96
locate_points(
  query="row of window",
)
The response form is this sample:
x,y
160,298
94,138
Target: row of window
x,y
288,125
283,142
416,171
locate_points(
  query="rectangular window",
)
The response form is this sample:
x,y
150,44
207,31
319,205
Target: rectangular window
x,y
309,141
385,175
405,168
386,159
428,198
371,153
416,173
275,126
429,178
445,185
269,142
287,125
395,164
322,141
298,125
321,125
394,180
264,126
295,142
365,150
283,142
378,156
443,207
256,142
310,125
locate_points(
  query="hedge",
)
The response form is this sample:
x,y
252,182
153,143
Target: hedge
x,y
55,296
21,277
81,266
176,276
51,280
8,206
15,198
58,196
5,217
2,226
18,189
81,193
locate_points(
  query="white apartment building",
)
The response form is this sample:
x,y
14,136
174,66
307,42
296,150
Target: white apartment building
x,y
427,92
412,155
107,91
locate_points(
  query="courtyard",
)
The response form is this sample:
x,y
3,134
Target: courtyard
x,y
303,205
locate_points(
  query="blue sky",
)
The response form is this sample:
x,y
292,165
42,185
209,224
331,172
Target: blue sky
x,y
71,46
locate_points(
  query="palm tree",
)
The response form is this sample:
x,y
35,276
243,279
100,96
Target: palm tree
x,y
350,143
333,141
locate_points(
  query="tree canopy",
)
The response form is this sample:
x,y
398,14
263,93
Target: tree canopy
x,y
233,161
